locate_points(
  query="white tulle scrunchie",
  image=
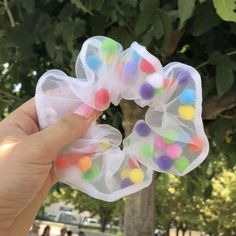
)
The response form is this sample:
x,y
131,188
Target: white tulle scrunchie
x,y
170,140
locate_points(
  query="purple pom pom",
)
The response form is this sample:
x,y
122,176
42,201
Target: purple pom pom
x,y
146,91
142,129
183,77
164,162
125,183
131,68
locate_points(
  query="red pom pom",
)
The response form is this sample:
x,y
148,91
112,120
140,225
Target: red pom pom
x,y
61,163
196,144
133,165
102,99
146,66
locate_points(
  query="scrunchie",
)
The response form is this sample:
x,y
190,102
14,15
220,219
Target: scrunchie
x,y
171,139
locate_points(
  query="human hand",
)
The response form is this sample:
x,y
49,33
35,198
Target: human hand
x,y
26,156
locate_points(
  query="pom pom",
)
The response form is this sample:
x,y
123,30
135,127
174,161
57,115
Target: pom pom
x,y
146,91
84,163
104,146
133,165
102,99
159,91
142,129
125,183
183,77
188,96
155,80
181,164
159,143
135,56
186,112
92,174
109,46
164,162
93,62
146,150
136,176
131,68
168,83
174,151
124,174
146,66
196,144
61,163
170,136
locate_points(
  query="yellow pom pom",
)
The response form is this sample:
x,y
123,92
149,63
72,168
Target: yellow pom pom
x,y
136,176
124,174
186,112
105,146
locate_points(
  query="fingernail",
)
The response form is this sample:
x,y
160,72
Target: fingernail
x,y
85,111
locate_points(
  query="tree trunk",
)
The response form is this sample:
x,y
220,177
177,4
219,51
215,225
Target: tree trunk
x,y
168,231
139,215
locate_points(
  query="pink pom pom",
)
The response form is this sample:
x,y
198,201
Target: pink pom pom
x,y
174,151
159,143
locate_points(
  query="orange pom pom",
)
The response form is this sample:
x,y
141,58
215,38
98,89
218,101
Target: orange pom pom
x,y
84,163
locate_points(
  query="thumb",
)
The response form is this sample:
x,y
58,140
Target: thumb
x,y
62,133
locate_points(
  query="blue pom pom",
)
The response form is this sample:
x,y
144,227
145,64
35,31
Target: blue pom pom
x,y
135,56
93,62
188,96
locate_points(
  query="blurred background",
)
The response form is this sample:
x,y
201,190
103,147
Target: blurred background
x,y
39,35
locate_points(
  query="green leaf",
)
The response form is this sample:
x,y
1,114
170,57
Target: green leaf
x,y
158,26
149,5
68,36
81,6
145,20
226,9
202,1
200,24
185,9
224,78
224,72
50,42
143,23
29,5
79,27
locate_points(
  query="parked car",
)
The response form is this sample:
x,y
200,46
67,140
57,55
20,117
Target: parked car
x,y
66,217
91,222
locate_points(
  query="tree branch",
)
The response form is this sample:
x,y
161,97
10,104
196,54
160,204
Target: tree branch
x,y
207,62
214,105
9,95
10,16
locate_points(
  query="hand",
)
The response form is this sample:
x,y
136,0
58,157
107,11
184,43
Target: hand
x,y
26,156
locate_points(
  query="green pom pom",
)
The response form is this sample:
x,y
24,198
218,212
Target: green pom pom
x,y
109,46
159,91
181,164
92,174
146,150
170,136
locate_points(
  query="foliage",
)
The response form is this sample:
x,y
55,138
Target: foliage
x,y
219,210
39,35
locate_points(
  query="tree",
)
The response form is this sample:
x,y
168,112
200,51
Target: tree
x,y
39,35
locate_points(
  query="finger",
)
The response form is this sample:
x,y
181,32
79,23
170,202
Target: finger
x,y
62,133
24,118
